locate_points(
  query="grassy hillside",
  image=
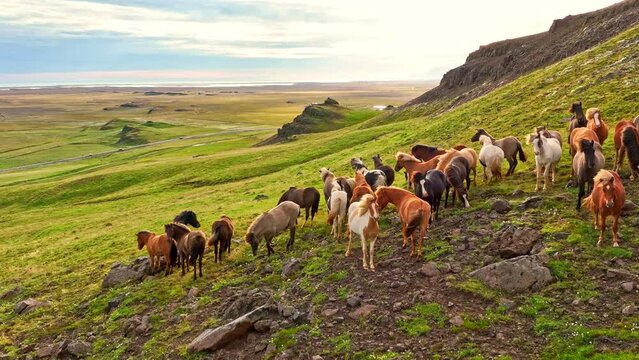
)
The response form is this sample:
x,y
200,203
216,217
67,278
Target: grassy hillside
x,y
65,225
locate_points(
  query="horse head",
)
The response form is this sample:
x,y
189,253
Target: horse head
x,y
324,173
381,197
252,240
588,148
357,163
479,132
143,237
187,217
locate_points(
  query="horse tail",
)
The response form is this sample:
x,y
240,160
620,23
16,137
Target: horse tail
x,y
495,167
415,222
520,150
588,203
174,253
335,210
214,237
629,139
315,205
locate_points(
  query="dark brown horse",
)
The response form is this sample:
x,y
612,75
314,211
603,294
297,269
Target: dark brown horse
x,y
456,172
187,217
190,245
578,120
388,171
425,152
307,198
510,145
586,164
221,235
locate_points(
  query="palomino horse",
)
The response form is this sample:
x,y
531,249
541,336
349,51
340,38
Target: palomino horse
x,y
362,220
510,146
190,245
158,245
468,153
547,155
490,156
347,184
374,178
307,198
272,223
388,171
425,152
187,217
430,188
627,140
361,188
221,234
578,120
607,199
586,163
596,124
413,212
337,214
413,165
456,172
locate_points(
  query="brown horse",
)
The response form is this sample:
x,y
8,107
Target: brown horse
x,y
626,139
190,245
607,199
596,124
271,223
581,134
413,212
585,165
388,171
413,165
221,235
158,245
425,152
361,187
510,145
456,172
307,198
329,179
578,120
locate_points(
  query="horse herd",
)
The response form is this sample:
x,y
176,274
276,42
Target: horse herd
x,y
431,173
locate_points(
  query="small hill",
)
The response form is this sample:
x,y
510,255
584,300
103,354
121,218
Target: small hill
x,y
501,62
130,136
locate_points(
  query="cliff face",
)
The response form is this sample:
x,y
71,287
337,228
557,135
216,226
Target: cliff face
x,y
498,63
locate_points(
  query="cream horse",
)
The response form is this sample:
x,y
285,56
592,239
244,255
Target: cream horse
x,y
337,212
490,157
547,155
362,220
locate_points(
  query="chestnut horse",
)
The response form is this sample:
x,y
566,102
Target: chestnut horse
x,y
607,199
425,152
362,220
158,245
578,120
413,165
307,198
413,212
585,165
510,145
388,171
596,124
626,140
221,235
361,187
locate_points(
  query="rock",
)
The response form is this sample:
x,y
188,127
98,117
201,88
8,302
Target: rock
x,y
397,306
244,303
267,270
456,320
446,268
531,203
28,305
330,101
501,206
270,349
628,207
287,311
317,357
290,267
362,311
260,197
213,339
120,274
576,302
512,241
137,325
628,286
629,310
46,351
621,274
329,312
523,273
262,325
193,293
507,303
79,348
114,303
259,347
353,301
518,192
429,269
11,293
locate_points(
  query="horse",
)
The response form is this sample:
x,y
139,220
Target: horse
x,y
272,223
374,178
190,245
361,188
430,188
156,246
413,212
425,152
586,163
307,198
510,145
337,214
547,155
445,159
388,171
472,157
456,172
607,199
578,120
221,234
187,217
636,121
362,220
460,150
490,156
626,139
581,134
596,124
548,133
347,184
413,165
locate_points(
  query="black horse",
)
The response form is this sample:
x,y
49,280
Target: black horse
x,y
187,217
430,188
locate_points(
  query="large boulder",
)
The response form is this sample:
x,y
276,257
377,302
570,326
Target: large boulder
x,y
501,206
290,267
214,339
512,241
79,348
28,305
120,274
331,101
520,274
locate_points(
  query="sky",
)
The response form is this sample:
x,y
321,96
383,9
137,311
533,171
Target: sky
x,y
59,42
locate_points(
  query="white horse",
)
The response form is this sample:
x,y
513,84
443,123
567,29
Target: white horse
x,y
337,214
362,220
490,156
547,155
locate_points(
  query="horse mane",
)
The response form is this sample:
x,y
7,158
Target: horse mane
x,y
180,225
485,137
603,177
145,232
406,157
364,202
324,173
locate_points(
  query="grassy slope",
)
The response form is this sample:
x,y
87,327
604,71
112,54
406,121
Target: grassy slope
x,y
67,226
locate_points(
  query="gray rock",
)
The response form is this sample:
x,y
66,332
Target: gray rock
x,y
243,304
46,351
267,270
290,267
523,273
456,320
621,274
353,301
137,325
628,286
531,203
317,357
114,303
501,206
629,310
193,293
79,348
507,303
429,269
628,207
512,241
259,347
262,325
329,312
362,311
213,339
260,197
28,305
121,274
287,311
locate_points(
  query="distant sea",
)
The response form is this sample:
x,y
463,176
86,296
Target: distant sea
x,y
151,85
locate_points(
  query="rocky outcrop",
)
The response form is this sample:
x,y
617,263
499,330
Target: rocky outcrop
x,y
28,305
120,274
512,241
501,62
520,274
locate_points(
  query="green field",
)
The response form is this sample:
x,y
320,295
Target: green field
x,y
64,225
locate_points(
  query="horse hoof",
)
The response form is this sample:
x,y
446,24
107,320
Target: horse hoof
x,y
599,243
615,244
372,269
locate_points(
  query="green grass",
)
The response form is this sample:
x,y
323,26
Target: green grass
x,y
421,318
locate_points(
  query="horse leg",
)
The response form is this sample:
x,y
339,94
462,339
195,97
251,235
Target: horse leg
x,y
405,242
446,198
602,228
216,250
455,194
615,231
475,176
183,260
370,257
580,195
468,181
200,260
364,251
595,216
513,165
291,239
546,176
538,168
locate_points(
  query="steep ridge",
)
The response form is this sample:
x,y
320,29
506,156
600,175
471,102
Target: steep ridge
x,y
501,62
